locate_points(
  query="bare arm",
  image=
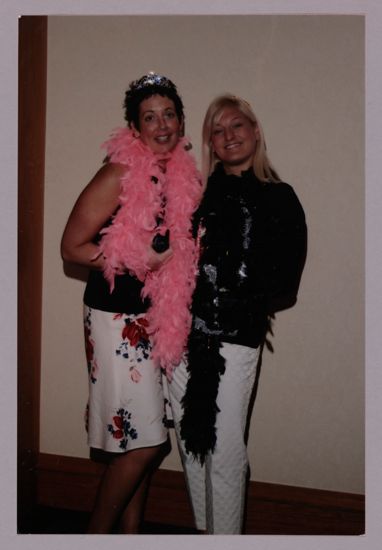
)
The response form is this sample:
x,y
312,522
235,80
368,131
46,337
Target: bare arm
x,y
97,202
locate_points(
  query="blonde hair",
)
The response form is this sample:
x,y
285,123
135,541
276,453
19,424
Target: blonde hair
x,y
262,166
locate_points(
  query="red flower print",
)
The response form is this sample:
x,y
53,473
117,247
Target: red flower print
x,y
117,316
135,331
118,422
86,417
89,348
135,375
143,321
125,430
131,332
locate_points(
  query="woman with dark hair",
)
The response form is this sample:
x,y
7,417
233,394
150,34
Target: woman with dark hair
x,y
252,236
131,226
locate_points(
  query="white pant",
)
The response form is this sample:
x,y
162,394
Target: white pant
x,y
217,489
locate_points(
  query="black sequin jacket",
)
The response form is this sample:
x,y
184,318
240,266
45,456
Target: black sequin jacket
x,y
253,253
253,240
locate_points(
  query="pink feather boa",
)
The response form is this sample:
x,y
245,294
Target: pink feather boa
x,y
126,242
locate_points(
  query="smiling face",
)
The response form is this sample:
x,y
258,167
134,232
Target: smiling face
x,y
233,140
159,125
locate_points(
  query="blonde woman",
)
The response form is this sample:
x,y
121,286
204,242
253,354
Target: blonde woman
x,y
252,234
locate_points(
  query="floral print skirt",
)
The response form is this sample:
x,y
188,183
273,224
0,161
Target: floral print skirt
x,y
127,407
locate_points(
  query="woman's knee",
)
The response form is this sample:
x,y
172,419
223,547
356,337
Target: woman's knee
x,y
142,456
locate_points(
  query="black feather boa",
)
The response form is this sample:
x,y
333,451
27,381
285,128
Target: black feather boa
x,y
197,427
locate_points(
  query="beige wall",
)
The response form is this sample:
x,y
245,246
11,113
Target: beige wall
x,y
304,78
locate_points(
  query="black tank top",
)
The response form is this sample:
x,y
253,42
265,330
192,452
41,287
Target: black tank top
x,y
126,295
125,298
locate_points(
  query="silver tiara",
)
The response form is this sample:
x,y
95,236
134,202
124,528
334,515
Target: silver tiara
x,y
152,79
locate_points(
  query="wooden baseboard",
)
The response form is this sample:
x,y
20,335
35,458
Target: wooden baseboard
x,y
71,483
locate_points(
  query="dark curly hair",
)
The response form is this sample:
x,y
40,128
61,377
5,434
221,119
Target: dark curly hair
x,y
147,86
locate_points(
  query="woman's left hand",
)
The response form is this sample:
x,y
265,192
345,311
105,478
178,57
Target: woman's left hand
x,y
155,260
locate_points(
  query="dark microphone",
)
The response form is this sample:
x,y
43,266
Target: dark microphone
x,y
161,242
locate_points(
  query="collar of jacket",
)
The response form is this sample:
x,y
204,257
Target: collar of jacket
x,y
246,176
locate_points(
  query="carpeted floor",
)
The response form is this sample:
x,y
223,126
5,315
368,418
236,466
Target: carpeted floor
x,y
53,521
277,519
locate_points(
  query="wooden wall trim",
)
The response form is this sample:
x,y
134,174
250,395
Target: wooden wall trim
x,y
31,165
71,483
